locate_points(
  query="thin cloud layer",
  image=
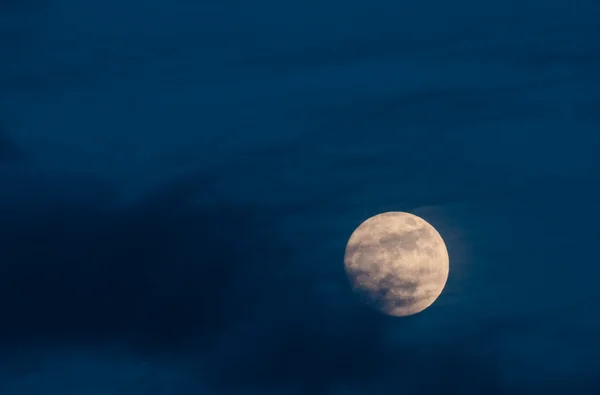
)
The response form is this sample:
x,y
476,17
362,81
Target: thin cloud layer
x,y
135,266
223,291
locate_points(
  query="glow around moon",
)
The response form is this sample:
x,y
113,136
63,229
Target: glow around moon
x,y
397,262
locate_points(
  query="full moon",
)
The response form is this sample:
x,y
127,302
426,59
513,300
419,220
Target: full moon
x,y
397,262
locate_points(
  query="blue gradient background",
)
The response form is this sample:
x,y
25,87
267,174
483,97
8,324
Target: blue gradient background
x,y
178,181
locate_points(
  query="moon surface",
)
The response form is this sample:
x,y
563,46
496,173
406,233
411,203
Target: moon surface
x,y
397,262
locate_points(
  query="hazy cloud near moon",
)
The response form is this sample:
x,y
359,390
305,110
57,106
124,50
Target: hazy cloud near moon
x,y
266,294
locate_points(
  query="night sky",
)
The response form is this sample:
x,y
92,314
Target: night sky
x,y
178,181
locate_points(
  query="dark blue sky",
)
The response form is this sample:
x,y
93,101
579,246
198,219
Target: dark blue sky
x,y
178,182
